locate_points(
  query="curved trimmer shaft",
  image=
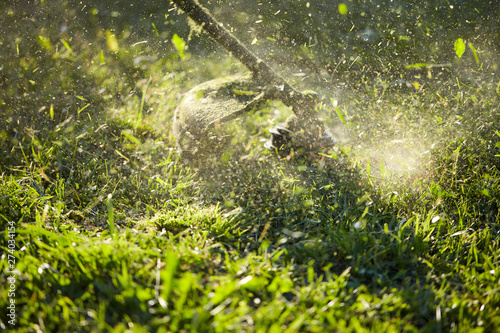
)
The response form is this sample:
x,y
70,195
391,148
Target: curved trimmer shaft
x,y
300,103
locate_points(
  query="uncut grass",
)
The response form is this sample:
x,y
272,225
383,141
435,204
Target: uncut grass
x,y
309,268
253,243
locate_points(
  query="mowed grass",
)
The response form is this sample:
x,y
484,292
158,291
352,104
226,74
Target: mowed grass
x,y
394,229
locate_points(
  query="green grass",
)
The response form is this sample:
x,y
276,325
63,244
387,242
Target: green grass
x,y
395,229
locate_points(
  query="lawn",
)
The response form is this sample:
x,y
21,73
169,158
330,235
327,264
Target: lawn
x,y
105,227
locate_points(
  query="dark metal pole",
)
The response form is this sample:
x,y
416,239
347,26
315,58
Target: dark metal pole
x,y
288,95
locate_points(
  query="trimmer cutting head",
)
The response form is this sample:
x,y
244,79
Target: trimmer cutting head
x,y
211,104
299,137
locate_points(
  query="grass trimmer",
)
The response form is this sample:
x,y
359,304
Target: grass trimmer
x,y
215,102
